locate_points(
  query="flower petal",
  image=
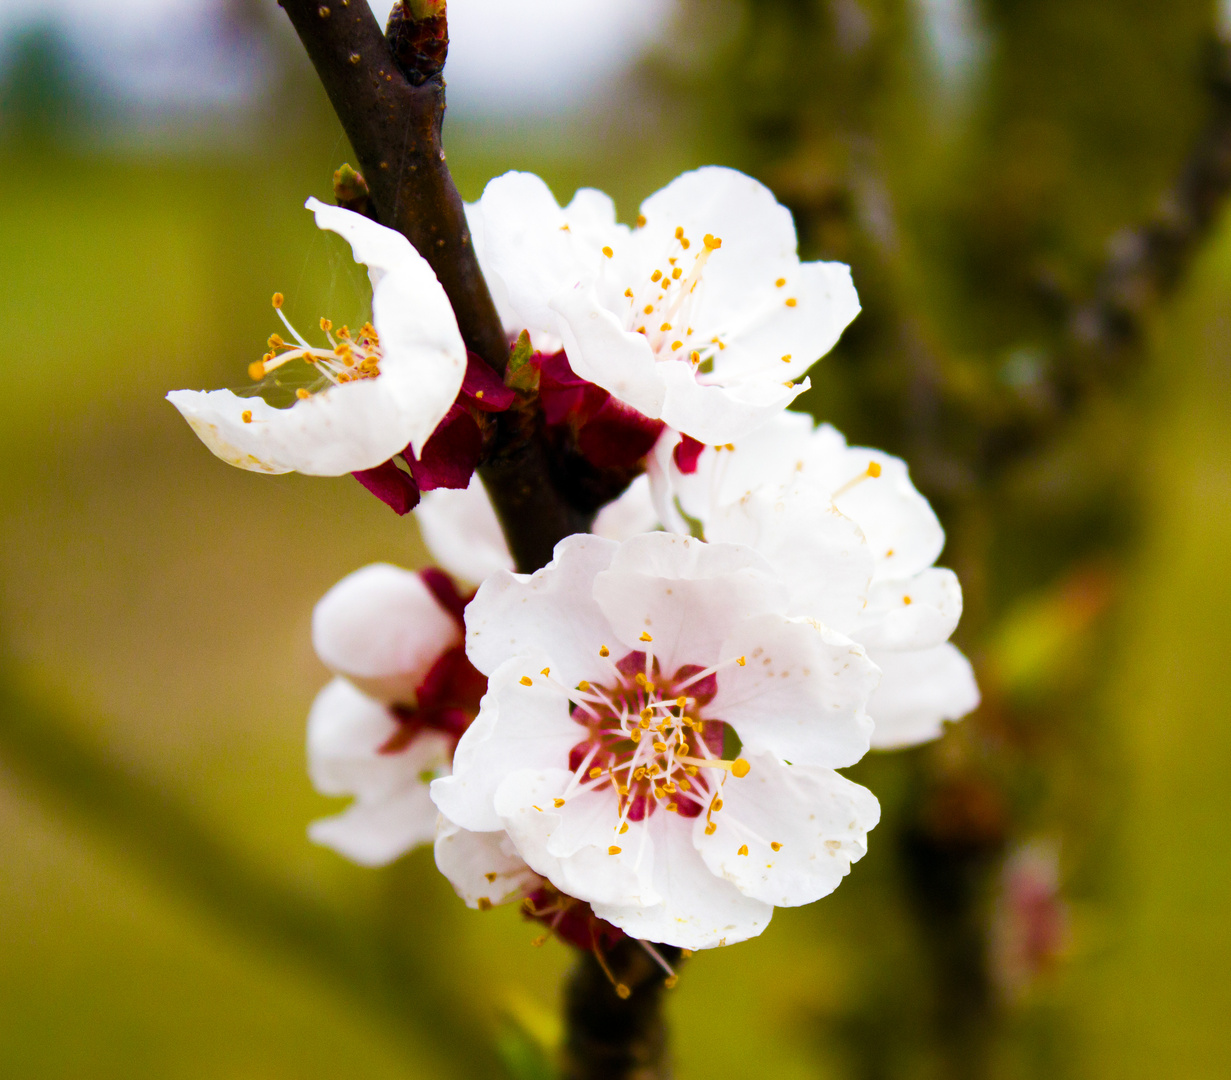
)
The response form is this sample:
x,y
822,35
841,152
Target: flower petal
x,y
552,612
801,693
482,867
917,613
630,515
919,691
346,730
688,596
697,910
572,846
374,834
818,819
383,629
518,727
342,429
720,413
461,531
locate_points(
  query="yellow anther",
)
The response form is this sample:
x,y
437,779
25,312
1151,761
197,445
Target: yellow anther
x,y
739,768
874,470
649,309
676,345
743,849
276,342
604,651
676,273
660,747
622,789
780,282
906,600
673,807
716,805
635,734
613,850
691,770
710,829
623,992
624,828
491,876
483,904
645,637
681,701
256,370
595,773
791,302
713,242
669,787
545,672
670,981
665,327
277,299
246,416
557,803
775,845
685,784
743,659
478,395
527,681
302,394
583,686
679,232
644,722
628,293
656,275
641,221
685,243
695,356
542,938
608,252
686,953
326,324
640,679
786,359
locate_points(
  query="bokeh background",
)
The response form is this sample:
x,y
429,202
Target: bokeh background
x,y
1049,894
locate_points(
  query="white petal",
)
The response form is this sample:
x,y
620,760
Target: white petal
x,y
603,352
819,551
342,429
528,247
687,595
461,531
482,867
819,819
698,910
423,355
383,629
629,515
575,855
346,729
918,692
719,414
374,834
917,613
801,693
518,727
757,233
551,611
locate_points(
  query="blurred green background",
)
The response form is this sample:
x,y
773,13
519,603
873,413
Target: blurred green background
x,y
161,911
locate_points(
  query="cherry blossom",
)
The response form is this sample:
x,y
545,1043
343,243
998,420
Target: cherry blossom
x,y
367,395
388,724
659,738
857,541
701,315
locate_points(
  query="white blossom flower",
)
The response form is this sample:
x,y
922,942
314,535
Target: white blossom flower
x,y
368,395
807,502
388,725
702,315
659,738
463,535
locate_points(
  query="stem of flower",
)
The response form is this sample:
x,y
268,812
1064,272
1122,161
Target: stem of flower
x,y
609,1037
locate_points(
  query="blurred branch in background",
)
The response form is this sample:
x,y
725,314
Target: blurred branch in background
x,y
150,825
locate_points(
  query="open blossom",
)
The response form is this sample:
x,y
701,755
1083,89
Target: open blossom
x,y
856,540
702,315
388,725
659,739
362,399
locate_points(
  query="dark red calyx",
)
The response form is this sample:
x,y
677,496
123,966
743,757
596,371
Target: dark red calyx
x,y
571,920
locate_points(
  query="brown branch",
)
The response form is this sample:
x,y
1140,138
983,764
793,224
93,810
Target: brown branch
x,y
614,1037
